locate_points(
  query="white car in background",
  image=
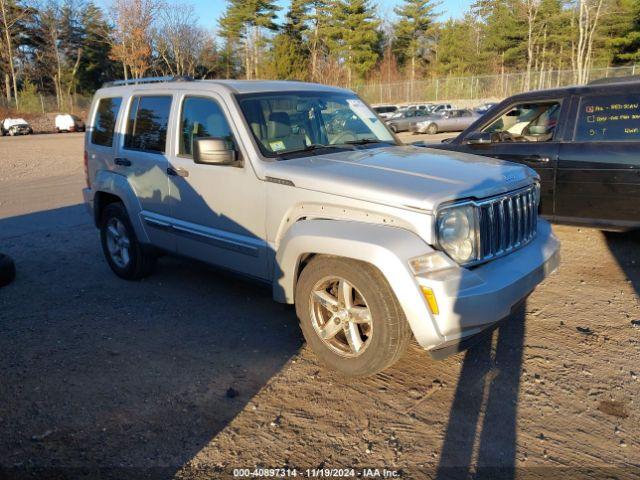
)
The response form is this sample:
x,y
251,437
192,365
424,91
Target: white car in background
x,y
385,111
66,122
15,126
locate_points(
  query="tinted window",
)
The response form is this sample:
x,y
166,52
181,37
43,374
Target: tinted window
x,y
201,117
105,121
147,124
610,117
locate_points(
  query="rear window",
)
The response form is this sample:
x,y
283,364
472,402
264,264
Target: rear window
x,y
147,124
609,118
105,121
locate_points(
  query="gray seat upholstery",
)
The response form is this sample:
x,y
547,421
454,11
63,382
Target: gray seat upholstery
x,y
279,129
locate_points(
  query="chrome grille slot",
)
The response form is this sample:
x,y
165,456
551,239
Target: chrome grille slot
x,y
507,223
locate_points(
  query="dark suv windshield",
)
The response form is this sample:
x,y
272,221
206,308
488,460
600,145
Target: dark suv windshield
x,y
287,122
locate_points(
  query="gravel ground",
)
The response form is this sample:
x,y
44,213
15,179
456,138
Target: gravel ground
x,y
192,372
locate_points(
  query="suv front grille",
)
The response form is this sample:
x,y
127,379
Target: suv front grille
x,y
507,222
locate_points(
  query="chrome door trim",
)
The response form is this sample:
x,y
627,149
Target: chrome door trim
x,y
212,236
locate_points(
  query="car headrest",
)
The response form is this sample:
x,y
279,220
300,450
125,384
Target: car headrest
x,y
278,125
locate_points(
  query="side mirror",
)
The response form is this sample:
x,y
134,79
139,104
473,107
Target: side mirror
x,y
478,138
213,151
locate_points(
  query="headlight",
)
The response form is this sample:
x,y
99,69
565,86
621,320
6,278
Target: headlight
x,y
457,232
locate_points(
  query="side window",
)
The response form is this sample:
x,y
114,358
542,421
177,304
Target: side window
x,y
201,117
104,123
609,118
528,122
147,124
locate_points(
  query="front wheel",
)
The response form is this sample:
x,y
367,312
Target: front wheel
x,y
350,317
127,257
432,129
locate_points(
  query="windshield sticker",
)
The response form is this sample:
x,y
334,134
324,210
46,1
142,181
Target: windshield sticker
x,y
360,109
277,146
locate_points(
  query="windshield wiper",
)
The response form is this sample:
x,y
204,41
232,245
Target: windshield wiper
x,y
364,141
309,148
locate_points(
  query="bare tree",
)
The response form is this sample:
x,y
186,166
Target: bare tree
x,y
10,17
586,17
178,40
533,33
132,34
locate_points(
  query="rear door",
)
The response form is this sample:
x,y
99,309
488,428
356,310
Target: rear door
x,y
527,133
142,158
598,179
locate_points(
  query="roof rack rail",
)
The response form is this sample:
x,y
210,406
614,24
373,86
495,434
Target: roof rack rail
x,y
613,80
135,81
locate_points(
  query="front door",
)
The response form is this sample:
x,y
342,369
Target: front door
x,y
598,179
218,210
526,133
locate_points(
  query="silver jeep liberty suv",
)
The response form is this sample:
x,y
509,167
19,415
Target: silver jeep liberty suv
x,y
302,186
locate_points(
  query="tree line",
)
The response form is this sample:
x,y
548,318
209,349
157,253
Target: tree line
x,y
66,47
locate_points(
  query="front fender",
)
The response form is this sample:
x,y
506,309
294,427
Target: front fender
x,y
387,248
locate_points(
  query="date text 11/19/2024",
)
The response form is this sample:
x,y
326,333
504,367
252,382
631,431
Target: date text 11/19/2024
x,y
315,473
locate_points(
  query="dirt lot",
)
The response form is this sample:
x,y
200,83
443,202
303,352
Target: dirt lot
x,y
98,373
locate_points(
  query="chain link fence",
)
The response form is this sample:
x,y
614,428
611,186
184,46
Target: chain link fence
x,y
481,87
38,104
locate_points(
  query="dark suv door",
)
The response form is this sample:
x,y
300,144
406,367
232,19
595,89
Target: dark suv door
x,y
598,177
525,132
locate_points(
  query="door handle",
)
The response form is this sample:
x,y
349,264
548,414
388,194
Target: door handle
x,y
177,172
536,159
123,162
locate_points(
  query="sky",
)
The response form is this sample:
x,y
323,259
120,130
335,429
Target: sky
x,y
209,11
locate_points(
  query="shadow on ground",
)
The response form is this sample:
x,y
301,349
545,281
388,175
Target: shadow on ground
x,y
101,372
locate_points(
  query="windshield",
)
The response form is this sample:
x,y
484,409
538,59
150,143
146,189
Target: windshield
x,y
287,122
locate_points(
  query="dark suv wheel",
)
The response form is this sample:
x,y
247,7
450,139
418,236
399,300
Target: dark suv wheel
x,y
127,257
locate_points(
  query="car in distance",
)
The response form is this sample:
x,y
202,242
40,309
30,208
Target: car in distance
x,y
66,122
583,142
402,120
484,107
445,121
385,111
15,126
374,242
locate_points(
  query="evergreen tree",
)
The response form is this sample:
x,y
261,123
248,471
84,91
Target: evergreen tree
x,y
290,50
96,67
353,36
414,28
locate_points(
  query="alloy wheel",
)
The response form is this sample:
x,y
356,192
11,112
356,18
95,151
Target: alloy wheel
x,y
341,317
118,243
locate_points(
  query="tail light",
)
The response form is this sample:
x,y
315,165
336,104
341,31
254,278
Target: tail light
x,y
86,169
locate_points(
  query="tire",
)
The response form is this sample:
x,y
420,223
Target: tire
x,y
7,270
432,129
139,260
12,132
384,338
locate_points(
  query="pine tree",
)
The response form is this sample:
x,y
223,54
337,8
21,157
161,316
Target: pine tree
x,y
96,67
413,30
290,50
353,36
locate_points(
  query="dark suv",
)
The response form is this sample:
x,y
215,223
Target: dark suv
x,y
583,141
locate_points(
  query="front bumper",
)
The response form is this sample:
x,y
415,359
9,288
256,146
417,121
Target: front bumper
x,y
471,300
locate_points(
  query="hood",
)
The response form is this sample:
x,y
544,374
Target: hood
x,y
403,176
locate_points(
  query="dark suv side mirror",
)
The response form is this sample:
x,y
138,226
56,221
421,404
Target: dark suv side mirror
x,y
213,151
478,138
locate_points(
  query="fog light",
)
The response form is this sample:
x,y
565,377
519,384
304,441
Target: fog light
x,y
430,297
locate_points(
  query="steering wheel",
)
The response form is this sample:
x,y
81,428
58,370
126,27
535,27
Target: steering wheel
x,y
507,137
344,136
